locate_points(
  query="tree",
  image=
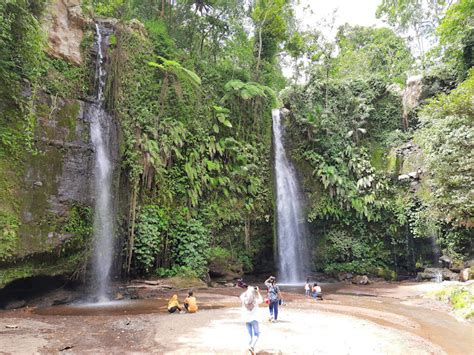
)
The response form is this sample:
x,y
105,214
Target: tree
x,y
446,138
414,17
270,20
456,33
365,52
174,74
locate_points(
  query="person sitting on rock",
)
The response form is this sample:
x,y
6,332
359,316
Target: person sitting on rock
x,y
317,293
190,303
173,304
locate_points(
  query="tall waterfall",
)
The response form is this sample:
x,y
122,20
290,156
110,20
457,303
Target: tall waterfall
x,y
101,130
291,225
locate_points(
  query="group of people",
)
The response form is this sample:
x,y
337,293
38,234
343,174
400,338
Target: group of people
x,y
189,305
250,299
313,290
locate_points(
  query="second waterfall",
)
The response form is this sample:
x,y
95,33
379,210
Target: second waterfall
x,y
102,131
292,250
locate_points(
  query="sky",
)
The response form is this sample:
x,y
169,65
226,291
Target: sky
x,y
310,13
354,12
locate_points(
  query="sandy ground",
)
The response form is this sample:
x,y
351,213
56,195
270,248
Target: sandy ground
x,y
378,319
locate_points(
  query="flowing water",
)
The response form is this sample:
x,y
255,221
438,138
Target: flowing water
x,y
100,130
292,251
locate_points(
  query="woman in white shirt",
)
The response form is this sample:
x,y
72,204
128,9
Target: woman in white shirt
x,y
250,314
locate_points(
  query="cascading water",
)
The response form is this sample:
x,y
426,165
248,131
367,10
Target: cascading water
x,y
100,130
291,226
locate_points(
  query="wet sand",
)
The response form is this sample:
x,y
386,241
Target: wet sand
x,y
374,319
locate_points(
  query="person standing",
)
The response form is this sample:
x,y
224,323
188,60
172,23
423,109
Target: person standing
x,y
307,288
250,314
274,297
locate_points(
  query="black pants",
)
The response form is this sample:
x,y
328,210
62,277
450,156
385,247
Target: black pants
x,y
173,309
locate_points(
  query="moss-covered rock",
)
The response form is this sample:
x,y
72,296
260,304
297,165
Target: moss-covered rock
x,y
43,191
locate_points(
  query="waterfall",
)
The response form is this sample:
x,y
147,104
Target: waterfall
x,y
101,127
292,251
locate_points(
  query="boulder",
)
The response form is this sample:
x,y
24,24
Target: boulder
x,y
449,275
64,25
446,261
15,304
437,274
465,274
430,274
360,280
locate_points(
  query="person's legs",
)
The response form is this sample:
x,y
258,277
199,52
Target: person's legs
x,y
172,309
270,307
250,330
275,310
256,332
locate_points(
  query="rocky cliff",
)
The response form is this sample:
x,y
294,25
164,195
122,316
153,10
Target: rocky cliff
x,y
45,206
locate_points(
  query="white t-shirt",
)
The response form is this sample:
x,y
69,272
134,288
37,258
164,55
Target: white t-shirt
x,y
253,314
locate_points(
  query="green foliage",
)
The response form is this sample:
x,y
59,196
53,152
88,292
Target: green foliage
x,y
9,225
21,59
175,270
460,298
79,222
345,252
271,26
189,245
372,51
446,137
456,35
64,79
152,224
106,8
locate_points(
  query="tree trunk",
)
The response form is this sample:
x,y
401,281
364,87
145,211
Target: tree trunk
x,y
247,234
131,221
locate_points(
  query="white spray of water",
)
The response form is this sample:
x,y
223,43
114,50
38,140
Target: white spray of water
x,y
291,225
103,241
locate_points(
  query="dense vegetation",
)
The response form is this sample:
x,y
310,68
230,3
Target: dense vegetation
x,y
193,92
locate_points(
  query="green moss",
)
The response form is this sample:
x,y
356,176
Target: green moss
x,y
67,117
61,266
386,274
8,235
377,158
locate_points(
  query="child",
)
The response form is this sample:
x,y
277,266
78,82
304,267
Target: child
x,y
307,288
173,304
190,303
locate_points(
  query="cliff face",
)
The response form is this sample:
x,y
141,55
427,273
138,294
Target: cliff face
x,y
64,26
45,205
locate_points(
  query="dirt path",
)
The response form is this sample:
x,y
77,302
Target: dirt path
x,y
387,319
